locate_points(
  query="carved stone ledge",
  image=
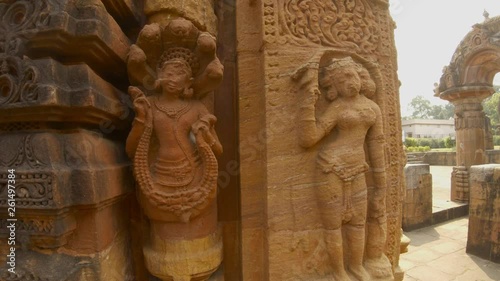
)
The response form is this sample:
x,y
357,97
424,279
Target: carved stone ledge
x,y
69,30
59,170
48,90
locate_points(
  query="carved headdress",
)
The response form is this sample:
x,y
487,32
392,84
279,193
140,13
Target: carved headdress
x,y
181,55
178,41
335,64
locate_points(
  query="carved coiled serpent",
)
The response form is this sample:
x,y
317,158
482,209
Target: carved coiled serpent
x,y
186,203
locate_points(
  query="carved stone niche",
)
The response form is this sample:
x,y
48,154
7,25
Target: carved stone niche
x,y
173,145
340,121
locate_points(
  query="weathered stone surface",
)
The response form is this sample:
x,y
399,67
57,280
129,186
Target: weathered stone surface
x,y
70,31
278,182
417,206
460,184
111,263
173,145
84,160
483,239
61,64
200,12
45,89
127,13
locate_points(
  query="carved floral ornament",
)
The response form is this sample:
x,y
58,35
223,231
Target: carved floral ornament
x,y
21,19
18,80
344,24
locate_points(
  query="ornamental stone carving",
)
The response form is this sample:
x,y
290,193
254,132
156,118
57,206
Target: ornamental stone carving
x,y
352,212
173,145
349,24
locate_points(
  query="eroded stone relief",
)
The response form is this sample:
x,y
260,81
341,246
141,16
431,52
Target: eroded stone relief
x,y
354,220
173,145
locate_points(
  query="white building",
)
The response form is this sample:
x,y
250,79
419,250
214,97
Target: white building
x,y
421,128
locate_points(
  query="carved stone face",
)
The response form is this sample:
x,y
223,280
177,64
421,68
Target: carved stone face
x,y
347,81
174,77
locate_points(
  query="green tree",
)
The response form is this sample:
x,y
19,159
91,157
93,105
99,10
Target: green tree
x,y
423,109
490,107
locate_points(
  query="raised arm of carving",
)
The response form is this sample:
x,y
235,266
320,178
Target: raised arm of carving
x,y
311,129
142,110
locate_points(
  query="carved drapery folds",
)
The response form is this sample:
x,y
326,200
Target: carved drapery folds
x,y
172,144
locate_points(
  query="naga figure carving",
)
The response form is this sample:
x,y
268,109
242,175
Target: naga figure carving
x,y
350,132
173,144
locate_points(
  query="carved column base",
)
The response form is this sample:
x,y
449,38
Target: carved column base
x,y
460,184
183,259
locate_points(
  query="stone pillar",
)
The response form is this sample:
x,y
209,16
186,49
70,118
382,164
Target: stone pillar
x,y
62,114
470,134
417,206
483,239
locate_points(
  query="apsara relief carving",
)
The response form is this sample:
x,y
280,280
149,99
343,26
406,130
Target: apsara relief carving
x,y
352,147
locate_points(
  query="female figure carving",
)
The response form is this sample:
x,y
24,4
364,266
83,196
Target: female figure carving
x,y
350,124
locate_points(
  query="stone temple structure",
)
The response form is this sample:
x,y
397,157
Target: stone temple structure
x,y
466,82
199,140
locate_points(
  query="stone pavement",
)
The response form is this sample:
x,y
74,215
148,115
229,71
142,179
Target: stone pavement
x,y
437,253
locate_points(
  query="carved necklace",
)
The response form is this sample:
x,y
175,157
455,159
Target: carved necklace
x,y
174,111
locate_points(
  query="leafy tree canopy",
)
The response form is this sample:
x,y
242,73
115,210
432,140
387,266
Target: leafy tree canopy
x,y
423,109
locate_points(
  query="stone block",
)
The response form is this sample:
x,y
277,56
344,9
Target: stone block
x,y
46,90
55,173
484,222
417,206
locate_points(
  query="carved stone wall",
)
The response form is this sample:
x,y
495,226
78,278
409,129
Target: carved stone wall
x,y
62,113
64,118
280,220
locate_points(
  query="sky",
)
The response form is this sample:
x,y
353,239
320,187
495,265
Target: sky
x,y
427,34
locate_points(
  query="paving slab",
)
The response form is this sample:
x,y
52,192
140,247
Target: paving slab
x,y
437,253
